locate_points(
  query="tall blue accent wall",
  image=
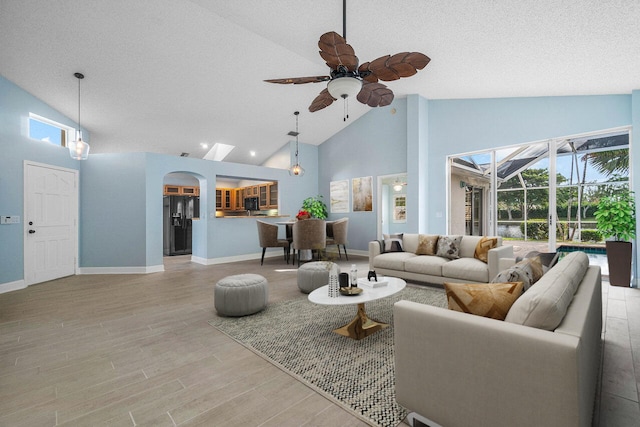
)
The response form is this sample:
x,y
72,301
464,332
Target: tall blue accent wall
x,y
121,194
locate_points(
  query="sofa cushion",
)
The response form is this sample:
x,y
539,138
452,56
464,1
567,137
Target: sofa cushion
x,y
393,242
425,265
544,305
449,247
528,271
482,248
466,269
410,242
392,260
491,300
427,244
468,246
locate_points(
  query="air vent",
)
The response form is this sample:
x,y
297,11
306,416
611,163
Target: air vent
x,y
184,155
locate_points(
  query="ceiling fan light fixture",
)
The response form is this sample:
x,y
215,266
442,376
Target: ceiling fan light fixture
x,y
344,87
78,149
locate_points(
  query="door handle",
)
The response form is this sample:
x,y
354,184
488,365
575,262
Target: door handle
x,y
32,231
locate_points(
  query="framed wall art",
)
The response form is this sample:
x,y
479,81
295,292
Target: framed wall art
x,y
339,196
362,190
400,208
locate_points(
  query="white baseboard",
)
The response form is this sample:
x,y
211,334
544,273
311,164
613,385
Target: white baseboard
x,y
235,258
121,270
12,286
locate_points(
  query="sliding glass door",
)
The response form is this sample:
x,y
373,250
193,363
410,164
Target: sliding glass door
x,y
538,195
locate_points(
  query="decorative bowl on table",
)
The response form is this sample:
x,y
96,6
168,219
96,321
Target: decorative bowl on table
x,y
350,291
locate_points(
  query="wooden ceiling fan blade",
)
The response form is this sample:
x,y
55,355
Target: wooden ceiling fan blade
x,y
299,80
323,100
417,59
375,95
382,71
388,68
335,50
366,74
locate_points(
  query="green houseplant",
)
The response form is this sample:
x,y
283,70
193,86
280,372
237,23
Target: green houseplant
x,y
315,206
616,220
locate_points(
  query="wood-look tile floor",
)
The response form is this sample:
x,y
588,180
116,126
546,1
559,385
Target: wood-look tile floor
x,y
132,350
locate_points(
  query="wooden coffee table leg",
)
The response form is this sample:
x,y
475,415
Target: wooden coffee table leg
x,y
361,326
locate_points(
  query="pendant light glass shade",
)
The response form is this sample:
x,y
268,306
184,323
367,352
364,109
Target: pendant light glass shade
x,y
344,87
296,169
78,149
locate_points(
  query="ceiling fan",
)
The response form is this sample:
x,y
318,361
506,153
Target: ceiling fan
x,y
347,79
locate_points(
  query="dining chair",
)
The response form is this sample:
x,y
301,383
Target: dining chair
x,y
268,234
337,235
309,234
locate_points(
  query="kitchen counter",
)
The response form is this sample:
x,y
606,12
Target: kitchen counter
x,y
254,216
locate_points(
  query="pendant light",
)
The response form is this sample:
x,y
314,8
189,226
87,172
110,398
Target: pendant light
x,y
78,149
296,169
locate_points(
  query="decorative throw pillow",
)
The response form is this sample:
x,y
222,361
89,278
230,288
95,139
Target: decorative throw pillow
x,y
449,247
483,246
393,242
528,271
488,300
547,259
427,244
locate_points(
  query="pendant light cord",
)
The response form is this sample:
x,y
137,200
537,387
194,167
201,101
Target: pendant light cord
x,y
79,76
297,133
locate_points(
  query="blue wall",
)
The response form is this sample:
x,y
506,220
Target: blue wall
x,y
373,145
457,126
16,147
121,194
120,207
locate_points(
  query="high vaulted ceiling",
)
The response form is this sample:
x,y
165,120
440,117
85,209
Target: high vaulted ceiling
x,y
167,75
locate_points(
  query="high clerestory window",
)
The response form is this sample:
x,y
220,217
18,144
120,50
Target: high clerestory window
x,y
44,129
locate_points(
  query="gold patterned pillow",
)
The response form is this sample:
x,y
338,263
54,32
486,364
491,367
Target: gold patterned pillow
x,y
489,300
483,246
427,244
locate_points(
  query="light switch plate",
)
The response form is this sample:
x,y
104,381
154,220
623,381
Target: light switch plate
x,y
6,219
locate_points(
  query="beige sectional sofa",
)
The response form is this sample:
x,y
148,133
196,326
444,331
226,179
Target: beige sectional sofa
x,y
538,367
435,269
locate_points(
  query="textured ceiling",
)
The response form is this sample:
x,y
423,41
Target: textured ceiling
x,y
167,75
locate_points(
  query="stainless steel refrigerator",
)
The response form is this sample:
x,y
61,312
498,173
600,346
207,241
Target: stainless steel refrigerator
x,y
178,214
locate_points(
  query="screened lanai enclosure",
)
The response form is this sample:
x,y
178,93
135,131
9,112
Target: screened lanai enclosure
x,y
543,194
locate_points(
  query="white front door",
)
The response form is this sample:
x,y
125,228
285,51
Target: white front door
x,y
50,222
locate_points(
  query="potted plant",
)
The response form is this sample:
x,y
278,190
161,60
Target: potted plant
x,y
315,207
616,220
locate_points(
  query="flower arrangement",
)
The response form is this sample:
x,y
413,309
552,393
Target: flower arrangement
x,y
303,214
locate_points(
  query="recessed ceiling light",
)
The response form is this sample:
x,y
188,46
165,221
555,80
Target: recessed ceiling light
x,y
204,145
253,153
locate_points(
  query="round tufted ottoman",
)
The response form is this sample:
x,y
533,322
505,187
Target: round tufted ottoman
x,y
241,295
313,275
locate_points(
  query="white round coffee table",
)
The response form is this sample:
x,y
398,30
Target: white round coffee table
x,y
361,326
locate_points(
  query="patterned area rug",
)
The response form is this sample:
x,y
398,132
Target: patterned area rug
x,y
297,336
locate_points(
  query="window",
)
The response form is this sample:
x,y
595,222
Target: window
x,y
43,129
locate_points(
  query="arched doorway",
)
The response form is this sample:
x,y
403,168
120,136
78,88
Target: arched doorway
x,y
181,208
